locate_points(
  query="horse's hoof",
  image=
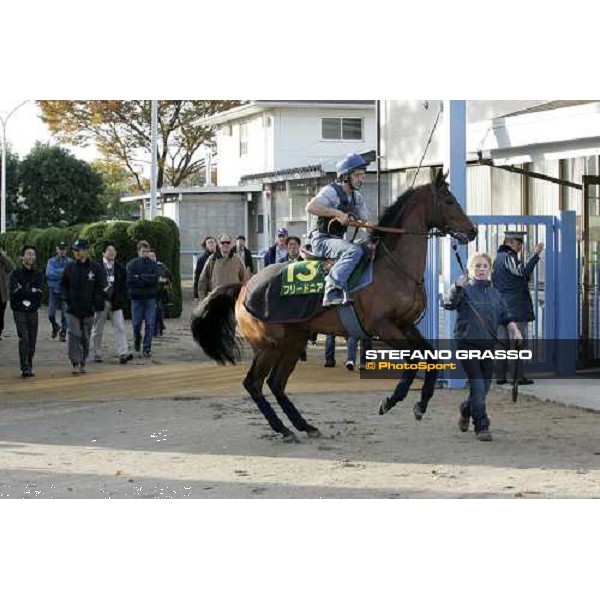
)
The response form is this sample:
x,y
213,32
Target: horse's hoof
x,y
313,432
418,411
385,406
290,438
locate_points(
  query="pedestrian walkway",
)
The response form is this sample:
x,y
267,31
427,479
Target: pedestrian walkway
x,y
581,392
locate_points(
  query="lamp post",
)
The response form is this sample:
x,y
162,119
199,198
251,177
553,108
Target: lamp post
x,y
4,121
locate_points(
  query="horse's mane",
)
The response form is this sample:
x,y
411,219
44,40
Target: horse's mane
x,y
391,215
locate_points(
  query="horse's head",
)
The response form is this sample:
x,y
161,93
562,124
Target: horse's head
x,y
446,214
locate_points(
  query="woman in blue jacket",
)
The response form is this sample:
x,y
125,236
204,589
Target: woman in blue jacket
x,y
480,309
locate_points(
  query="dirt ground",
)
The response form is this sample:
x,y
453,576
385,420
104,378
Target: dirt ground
x,y
178,426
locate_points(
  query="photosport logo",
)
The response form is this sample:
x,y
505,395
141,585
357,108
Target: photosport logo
x,y
391,363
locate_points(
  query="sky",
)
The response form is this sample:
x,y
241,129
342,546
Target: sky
x,y
25,127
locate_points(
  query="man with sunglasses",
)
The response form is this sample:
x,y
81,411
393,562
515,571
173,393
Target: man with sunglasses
x,y
223,267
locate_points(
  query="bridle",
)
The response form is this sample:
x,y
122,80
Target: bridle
x,y
436,229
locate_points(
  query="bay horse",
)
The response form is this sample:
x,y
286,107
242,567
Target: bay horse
x,y
387,309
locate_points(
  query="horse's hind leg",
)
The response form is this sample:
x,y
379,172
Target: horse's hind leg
x,y
277,381
253,382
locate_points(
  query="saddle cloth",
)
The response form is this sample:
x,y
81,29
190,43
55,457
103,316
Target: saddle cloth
x,y
273,296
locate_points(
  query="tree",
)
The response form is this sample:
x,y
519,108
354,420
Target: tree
x,y
58,189
118,182
12,184
121,130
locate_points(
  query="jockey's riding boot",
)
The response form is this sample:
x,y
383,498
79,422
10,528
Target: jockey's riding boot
x,y
333,295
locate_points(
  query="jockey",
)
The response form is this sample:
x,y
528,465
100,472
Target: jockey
x,y
332,205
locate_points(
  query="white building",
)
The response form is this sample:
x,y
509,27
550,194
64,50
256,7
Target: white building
x,y
290,147
265,136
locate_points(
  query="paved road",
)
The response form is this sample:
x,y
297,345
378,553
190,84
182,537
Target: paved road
x,y
180,427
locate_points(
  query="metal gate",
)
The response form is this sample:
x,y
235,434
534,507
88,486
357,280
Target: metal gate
x,y
589,274
553,285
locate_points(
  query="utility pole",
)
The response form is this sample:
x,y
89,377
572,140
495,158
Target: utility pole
x,y
153,167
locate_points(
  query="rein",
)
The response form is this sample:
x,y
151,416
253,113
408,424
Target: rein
x,y
424,232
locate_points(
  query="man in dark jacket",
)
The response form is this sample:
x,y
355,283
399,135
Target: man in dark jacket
x,y
142,285
209,245
82,288
25,299
245,254
278,251
511,278
115,296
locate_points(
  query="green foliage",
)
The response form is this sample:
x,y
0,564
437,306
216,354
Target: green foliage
x,y
118,182
174,259
162,234
95,234
58,189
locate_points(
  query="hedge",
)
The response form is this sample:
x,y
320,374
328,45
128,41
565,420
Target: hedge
x,y
162,234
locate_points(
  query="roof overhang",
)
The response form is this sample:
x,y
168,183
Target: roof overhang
x,y
258,106
175,193
566,132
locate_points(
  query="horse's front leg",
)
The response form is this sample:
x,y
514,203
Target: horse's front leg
x,y
428,389
395,338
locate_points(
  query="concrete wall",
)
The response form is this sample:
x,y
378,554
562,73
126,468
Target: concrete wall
x,y
207,214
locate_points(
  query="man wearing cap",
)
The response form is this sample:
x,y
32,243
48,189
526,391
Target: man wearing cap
x,y
54,272
278,251
510,277
82,287
332,206
25,299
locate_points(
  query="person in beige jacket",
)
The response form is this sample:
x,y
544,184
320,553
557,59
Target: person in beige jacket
x,y
6,266
223,267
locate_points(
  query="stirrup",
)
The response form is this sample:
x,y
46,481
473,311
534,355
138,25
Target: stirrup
x,y
333,296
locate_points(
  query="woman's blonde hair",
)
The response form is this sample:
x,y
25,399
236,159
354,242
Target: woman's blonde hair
x,y
473,259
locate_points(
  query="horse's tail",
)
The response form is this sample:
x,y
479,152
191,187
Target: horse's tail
x,y
213,324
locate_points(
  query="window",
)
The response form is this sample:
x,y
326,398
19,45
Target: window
x,y
243,139
260,223
341,129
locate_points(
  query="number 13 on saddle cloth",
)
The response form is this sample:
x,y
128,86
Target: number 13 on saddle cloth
x,y
303,277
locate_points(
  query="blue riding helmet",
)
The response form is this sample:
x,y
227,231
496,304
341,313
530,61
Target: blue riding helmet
x,y
351,163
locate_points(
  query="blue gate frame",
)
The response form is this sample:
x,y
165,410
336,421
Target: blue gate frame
x,y
554,284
